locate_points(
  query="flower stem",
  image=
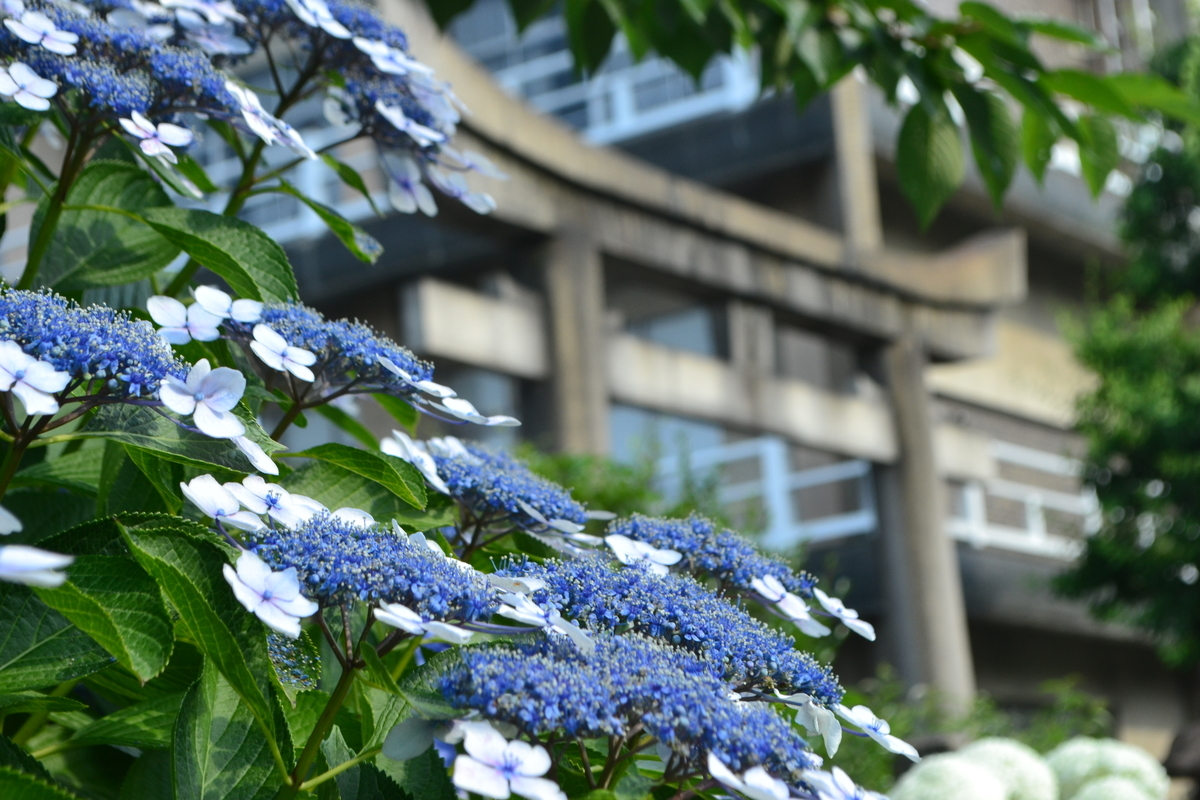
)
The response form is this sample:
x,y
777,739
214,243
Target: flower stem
x,y
313,746
288,418
308,785
12,460
76,156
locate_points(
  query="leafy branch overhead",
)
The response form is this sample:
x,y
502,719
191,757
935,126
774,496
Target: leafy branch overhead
x,y
1014,107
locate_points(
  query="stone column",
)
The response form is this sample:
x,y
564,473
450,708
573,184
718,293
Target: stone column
x,y
925,631
857,187
573,274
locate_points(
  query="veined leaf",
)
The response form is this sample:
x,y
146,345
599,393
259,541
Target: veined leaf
x,y
29,702
1094,90
147,725
38,646
338,487
79,471
363,781
348,424
1037,142
1098,151
397,476
361,244
995,141
1149,91
351,178
15,785
402,412
931,166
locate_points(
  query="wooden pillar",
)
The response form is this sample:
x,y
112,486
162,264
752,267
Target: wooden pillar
x,y
925,631
574,280
857,187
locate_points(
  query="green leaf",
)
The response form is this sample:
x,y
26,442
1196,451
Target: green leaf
x,y
1146,90
219,751
527,12
995,22
423,777
78,472
123,487
394,474
337,487
38,646
361,244
361,782
420,686
633,785
16,757
376,672
147,725
143,427
404,413
995,141
387,711
1063,31
100,248
189,570
349,424
149,777
1098,151
45,512
1085,87
590,32
162,474
1037,142
351,178
114,601
15,785
252,263
929,161
29,702
194,172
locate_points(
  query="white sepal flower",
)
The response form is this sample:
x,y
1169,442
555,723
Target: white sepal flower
x,y
630,551
407,191
216,39
259,497
451,447
401,445
788,605
496,768
865,720
355,516
209,396
520,608
390,59
524,586
317,15
180,323
257,456
836,785
273,597
32,566
9,522
404,618
222,306
428,387
219,503
755,783
258,120
847,616
12,8
277,354
35,27
25,86
215,12
818,719
465,410
157,140
35,382
421,134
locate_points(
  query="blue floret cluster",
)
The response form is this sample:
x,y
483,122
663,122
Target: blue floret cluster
x,y
711,552
339,561
90,343
680,612
494,484
548,685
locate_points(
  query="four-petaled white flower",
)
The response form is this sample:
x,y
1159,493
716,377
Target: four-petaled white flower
x,y
260,497
788,605
497,768
180,323
214,39
260,122
316,14
465,410
516,585
216,12
273,597
209,396
35,27
474,161
847,616
428,387
816,718
223,307
407,192
257,456
355,516
32,566
219,503
389,59
455,185
630,551
404,618
755,783
421,134
25,86
400,445
520,608
837,785
865,720
157,140
277,354
35,382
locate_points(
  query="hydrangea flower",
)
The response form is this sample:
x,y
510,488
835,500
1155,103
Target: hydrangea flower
x,y
208,396
262,498
755,784
629,551
34,382
846,616
36,28
280,356
157,140
26,87
878,729
782,602
494,767
32,566
404,618
181,324
273,597
836,785
217,502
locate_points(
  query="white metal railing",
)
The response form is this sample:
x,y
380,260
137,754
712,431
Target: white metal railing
x,y
973,525
776,488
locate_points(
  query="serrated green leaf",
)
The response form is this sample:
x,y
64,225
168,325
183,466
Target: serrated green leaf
x,y
337,487
188,568
423,777
38,646
143,427
1099,153
387,711
79,471
45,512
252,263
29,702
351,178
929,161
349,424
419,686
114,601
995,141
360,782
194,171
396,475
1037,142
162,474
123,487
100,248
15,785
219,751
149,778
404,413
362,245
147,725
376,673
16,757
